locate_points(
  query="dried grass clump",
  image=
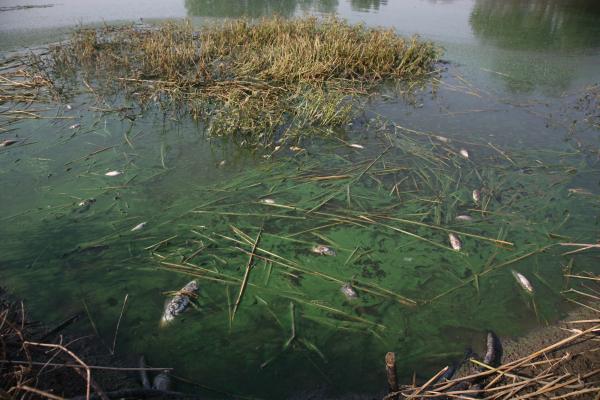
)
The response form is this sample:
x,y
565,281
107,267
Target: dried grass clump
x,y
253,79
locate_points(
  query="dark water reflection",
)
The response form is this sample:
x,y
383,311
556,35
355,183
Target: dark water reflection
x,y
538,24
256,8
367,5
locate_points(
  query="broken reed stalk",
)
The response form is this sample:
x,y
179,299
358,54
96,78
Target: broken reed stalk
x,y
246,274
392,376
88,373
118,323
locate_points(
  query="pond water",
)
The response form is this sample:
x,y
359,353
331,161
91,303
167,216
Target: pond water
x,y
518,93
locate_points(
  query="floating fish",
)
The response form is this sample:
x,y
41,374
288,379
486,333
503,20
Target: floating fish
x,y
356,146
162,381
179,303
523,282
296,148
267,201
464,153
579,191
493,355
113,173
222,163
68,107
75,126
349,291
139,226
85,205
323,250
442,139
8,142
466,218
455,241
476,196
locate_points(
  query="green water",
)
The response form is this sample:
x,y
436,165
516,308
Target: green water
x,y
512,95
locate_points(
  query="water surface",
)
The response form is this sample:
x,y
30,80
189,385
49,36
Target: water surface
x,y
512,94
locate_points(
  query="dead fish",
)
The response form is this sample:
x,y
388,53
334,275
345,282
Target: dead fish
x,y
267,201
85,205
113,173
464,153
579,191
442,139
296,148
323,250
222,163
75,126
455,241
8,142
476,196
466,218
68,107
139,226
523,282
356,146
144,373
349,291
179,303
162,381
493,355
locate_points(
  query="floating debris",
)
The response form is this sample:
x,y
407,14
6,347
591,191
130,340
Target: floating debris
x,y
179,303
68,107
464,153
356,146
139,227
113,173
476,196
324,250
465,218
455,241
523,282
443,139
349,291
267,201
8,142
222,163
296,148
75,126
162,381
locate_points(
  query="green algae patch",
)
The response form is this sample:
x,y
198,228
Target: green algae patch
x,y
254,80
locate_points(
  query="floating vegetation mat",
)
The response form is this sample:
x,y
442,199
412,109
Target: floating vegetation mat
x,y
250,80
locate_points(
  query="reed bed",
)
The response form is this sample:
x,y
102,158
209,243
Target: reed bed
x,y
254,80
